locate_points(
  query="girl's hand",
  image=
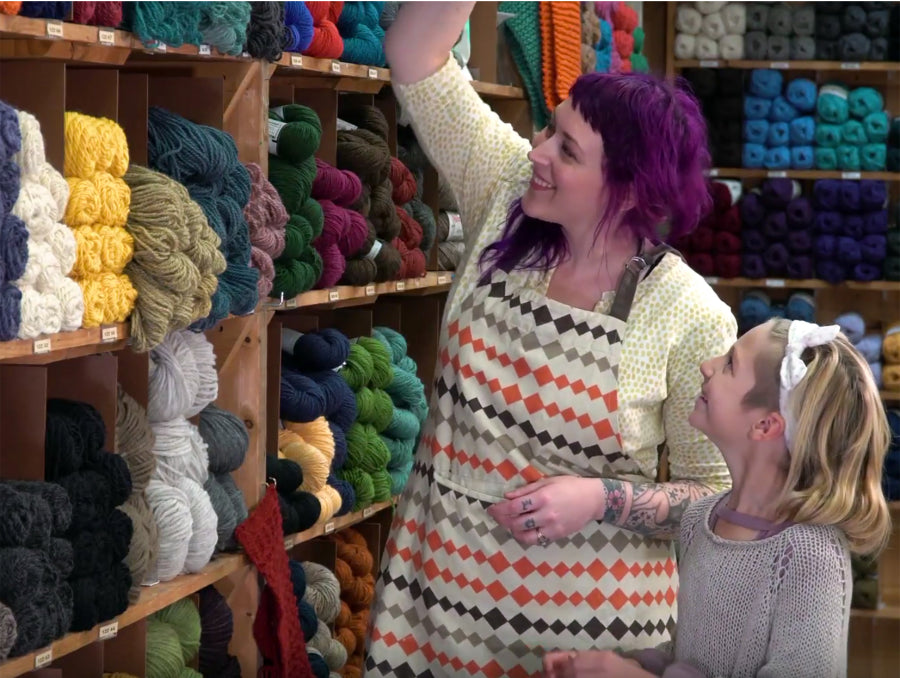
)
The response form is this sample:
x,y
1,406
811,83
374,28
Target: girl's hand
x,y
550,508
591,664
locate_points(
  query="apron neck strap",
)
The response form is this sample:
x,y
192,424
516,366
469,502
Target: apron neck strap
x,y
621,306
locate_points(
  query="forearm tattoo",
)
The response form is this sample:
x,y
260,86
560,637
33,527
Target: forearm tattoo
x,y
650,509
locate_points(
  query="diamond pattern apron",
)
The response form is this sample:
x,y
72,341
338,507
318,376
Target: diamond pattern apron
x,y
525,387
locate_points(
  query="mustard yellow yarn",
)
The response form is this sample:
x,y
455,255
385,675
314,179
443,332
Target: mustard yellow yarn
x,y
94,145
108,297
101,249
101,199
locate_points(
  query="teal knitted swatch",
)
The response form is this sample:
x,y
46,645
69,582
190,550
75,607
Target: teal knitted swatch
x,y
523,34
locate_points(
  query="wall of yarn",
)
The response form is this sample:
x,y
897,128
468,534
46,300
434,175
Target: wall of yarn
x,y
713,30
318,591
714,247
856,31
721,92
852,129
96,159
38,250
619,47
880,347
757,307
355,572
267,221
174,636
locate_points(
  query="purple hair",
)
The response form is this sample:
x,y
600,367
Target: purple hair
x,y
655,146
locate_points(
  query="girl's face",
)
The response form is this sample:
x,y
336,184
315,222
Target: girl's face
x,y
567,172
720,411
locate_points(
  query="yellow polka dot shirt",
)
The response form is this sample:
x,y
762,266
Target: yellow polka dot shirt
x,y
676,319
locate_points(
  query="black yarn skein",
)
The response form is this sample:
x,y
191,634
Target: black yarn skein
x,y
25,519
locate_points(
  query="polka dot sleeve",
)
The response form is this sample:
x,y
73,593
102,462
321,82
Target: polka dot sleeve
x,y
467,142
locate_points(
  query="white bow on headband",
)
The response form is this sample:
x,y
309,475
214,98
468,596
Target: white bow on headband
x,y
801,335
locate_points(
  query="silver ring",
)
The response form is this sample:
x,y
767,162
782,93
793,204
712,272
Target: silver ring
x,y
542,540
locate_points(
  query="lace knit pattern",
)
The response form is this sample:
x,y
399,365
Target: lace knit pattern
x,y
771,608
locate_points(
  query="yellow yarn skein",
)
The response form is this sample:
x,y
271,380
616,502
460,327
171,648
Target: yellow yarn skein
x,y
314,464
101,249
108,297
94,145
102,199
330,502
317,433
83,207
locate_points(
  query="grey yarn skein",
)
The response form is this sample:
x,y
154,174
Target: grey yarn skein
x,y
142,551
56,497
323,591
224,509
8,631
135,440
26,519
226,438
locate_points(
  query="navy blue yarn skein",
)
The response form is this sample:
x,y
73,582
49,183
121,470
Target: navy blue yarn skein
x,y
345,489
326,349
302,400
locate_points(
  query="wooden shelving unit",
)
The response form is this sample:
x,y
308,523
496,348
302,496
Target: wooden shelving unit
x,y
120,77
798,65
804,175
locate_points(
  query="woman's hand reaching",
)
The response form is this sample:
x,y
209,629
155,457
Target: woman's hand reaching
x,y
550,508
591,664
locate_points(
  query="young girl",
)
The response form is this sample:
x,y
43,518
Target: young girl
x,y
765,568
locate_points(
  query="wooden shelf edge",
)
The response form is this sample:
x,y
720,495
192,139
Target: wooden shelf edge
x,y
62,345
432,282
789,65
891,397
814,284
337,524
152,599
888,612
746,173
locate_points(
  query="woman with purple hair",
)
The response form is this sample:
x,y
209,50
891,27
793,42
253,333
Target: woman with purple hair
x,y
533,518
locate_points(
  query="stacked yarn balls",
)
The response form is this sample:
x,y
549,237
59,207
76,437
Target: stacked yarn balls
x,y
216,629
890,351
855,31
780,31
720,92
852,130
96,159
294,135
317,591
712,30
870,344
757,307
354,570
173,641
714,247
892,261
266,219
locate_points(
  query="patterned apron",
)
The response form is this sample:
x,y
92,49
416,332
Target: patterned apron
x,y
526,386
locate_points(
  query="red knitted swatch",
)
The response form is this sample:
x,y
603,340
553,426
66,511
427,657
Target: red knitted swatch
x,y
277,625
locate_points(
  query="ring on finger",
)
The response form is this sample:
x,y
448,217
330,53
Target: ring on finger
x,y
542,539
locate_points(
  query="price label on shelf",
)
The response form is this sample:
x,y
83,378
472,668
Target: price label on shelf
x,y
850,66
714,172
776,174
373,73
297,60
368,511
54,29
851,175
709,63
370,290
443,279
329,527
290,303
110,630
43,658
780,65
42,346
334,295
400,286
246,55
108,334
712,280
335,66
774,282
204,50
106,37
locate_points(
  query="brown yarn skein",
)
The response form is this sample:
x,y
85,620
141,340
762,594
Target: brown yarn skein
x,y
365,154
369,118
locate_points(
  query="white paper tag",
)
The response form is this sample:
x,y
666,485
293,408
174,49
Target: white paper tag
x,y
714,172
110,630
346,126
41,346
246,55
297,60
290,303
851,175
368,511
329,527
372,253
106,37
774,282
160,47
277,111
712,280
443,279
335,66
400,286
776,174
455,233
370,290
780,65
373,73
108,334
837,90
850,66
204,50
43,658
334,295
55,29
709,63
275,127
289,339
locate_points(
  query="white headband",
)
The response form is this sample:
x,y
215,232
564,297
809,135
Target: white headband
x,y
801,335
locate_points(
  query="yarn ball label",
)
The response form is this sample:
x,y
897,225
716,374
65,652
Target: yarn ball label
x,y
106,37
780,65
335,66
850,66
329,527
368,511
455,233
400,286
108,334
345,126
373,73
851,175
334,295
204,50
110,630
297,60
370,290
372,253
43,658
42,346
709,63
776,174
55,29
774,282
275,127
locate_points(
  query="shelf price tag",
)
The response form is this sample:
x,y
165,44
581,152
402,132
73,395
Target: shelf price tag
x,y
204,50
43,658
290,303
774,282
329,527
370,290
334,295
42,346
246,55
714,172
106,37
850,66
335,66
400,286
776,174
443,279
110,630
54,29
108,334
297,60
373,73
709,63
780,65
368,511
851,175
712,280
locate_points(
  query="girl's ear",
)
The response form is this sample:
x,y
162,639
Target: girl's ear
x,y
769,427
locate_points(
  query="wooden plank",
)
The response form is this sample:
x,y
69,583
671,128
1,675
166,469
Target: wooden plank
x,y
23,421
64,345
127,652
826,66
336,524
134,101
744,173
93,92
811,283
47,103
491,90
200,100
92,380
483,42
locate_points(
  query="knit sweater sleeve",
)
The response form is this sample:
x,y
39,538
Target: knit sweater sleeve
x,y
466,141
809,631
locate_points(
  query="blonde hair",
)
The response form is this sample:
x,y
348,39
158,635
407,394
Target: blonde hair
x,y
840,441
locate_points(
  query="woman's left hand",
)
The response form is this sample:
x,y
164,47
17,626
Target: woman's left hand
x,y
550,508
591,664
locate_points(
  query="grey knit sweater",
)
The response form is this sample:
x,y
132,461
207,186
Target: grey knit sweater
x,y
774,608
